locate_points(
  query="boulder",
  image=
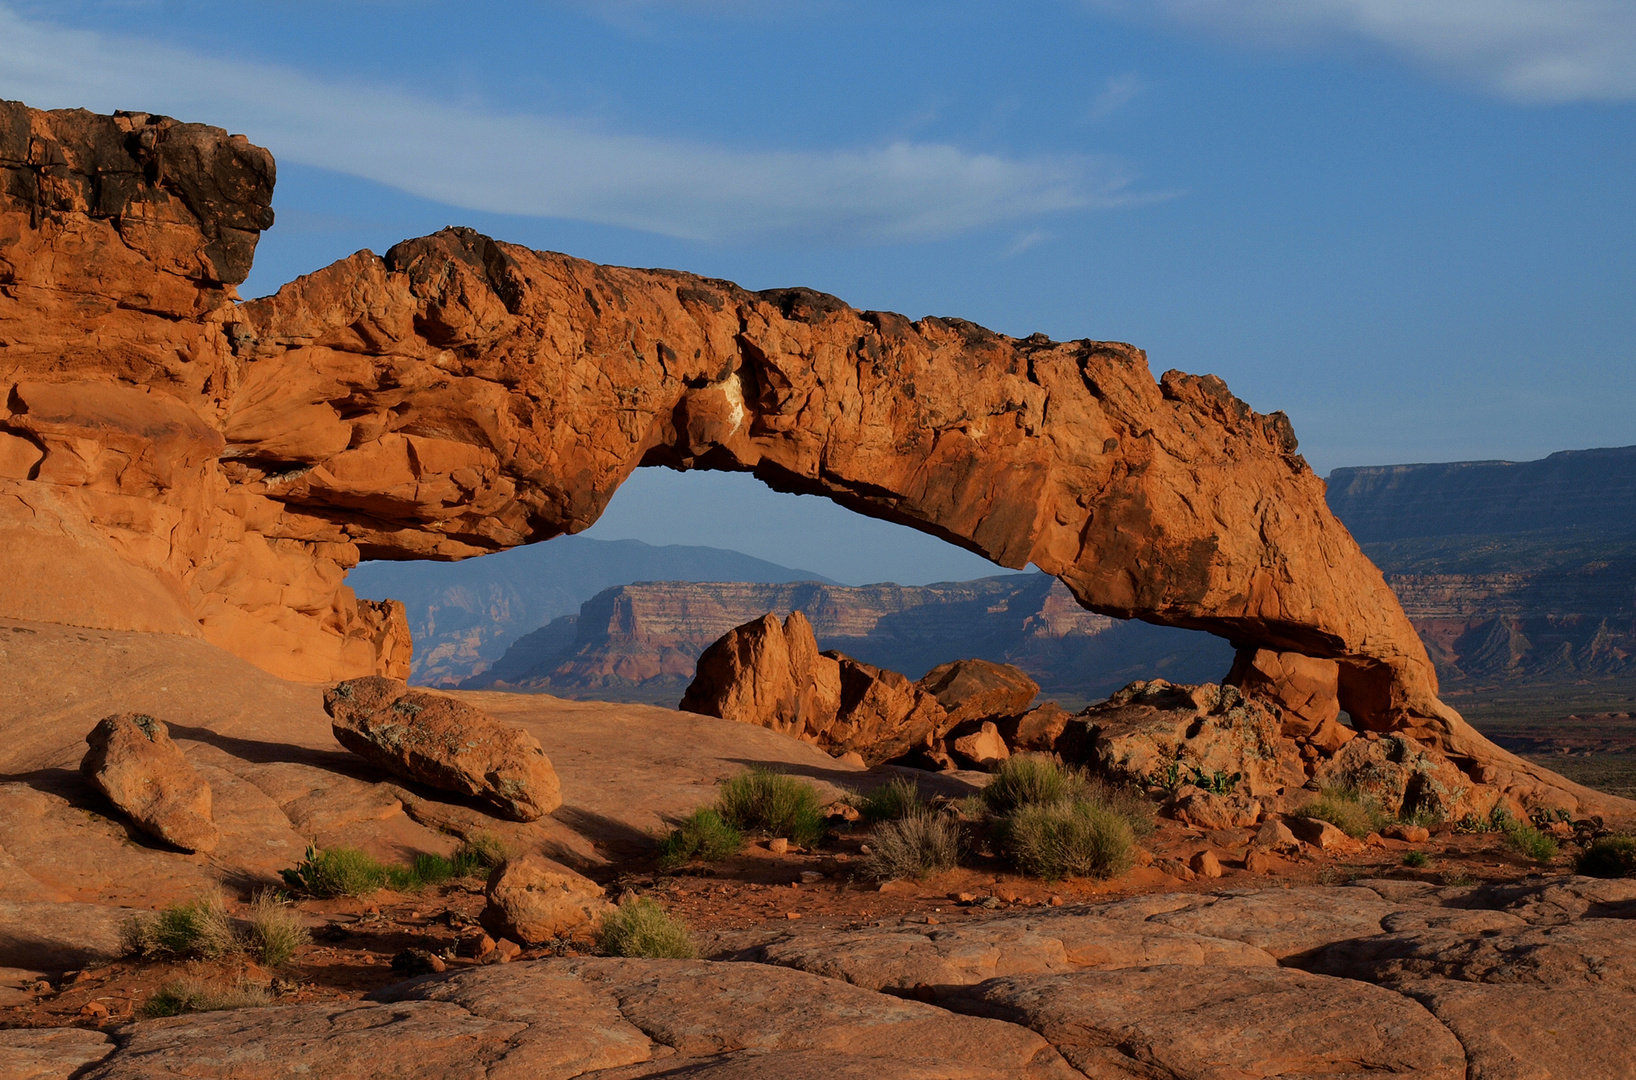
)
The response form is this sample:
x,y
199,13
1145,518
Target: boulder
x,y
1206,811
882,715
443,743
533,900
1205,864
770,674
1411,834
51,1053
1406,778
1321,834
133,761
1038,729
979,689
983,748
1274,835
1150,728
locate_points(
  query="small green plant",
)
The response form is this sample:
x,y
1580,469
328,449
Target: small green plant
x,y
1612,856
275,930
191,995
1531,842
703,835
1354,814
1128,802
200,928
342,871
641,928
474,858
1416,859
1220,782
1067,839
1169,777
763,801
915,846
1457,879
1030,780
895,800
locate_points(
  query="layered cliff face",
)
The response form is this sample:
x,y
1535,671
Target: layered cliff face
x,y
640,642
461,396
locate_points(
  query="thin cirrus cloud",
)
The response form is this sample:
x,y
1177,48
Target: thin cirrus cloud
x,y
1531,51
558,167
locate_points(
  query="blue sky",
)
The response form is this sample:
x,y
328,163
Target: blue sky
x,y
1408,223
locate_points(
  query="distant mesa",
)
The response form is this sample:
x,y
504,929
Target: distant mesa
x,y
176,461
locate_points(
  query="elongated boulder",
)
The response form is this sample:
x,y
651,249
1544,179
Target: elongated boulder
x,y
133,761
443,743
459,396
979,690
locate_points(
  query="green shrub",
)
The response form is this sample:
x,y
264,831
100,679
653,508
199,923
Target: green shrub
x,y
1531,842
763,801
479,854
898,798
343,871
1067,839
191,995
703,835
642,928
200,927
275,930
1611,856
1354,814
1128,802
916,846
1416,859
1030,780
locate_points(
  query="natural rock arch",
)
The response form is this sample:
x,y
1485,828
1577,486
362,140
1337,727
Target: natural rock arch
x,y
173,460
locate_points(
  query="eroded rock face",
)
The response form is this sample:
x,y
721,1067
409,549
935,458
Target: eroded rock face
x,y
132,761
768,673
445,743
979,689
219,466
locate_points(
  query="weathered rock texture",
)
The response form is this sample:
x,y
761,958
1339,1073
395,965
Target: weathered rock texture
x,y
445,743
218,466
132,761
534,900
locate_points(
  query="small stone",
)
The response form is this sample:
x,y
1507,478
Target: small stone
x,y
94,1009
1175,869
864,849
842,811
792,914
1056,901
414,962
778,845
1411,834
811,877
1274,835
473,945
508,949
1205,864
1258,862
1321,834
963,897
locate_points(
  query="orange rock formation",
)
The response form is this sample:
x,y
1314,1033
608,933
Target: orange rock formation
x,y
174,460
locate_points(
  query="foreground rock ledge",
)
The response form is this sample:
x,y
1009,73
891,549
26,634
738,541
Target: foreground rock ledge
x,y
215,467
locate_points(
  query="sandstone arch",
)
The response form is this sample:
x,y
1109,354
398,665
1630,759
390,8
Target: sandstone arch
x,y
460,395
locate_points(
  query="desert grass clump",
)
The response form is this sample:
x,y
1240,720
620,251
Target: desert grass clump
x,y
1612,856
1355,814
641,928
326,873
191,995
895,800
1531,842
915,846
1068,839
275,931
1127,801
704,835
1030,780
199,928
1416,859
762,801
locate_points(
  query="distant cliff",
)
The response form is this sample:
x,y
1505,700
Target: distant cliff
x,y
465,615
1512,572
640,642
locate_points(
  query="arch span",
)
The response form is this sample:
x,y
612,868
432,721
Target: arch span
x,y
461,395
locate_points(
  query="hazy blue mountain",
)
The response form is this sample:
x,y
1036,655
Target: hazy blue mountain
x,y
464,615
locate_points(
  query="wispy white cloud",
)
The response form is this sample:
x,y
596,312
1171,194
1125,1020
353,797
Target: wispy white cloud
x,y
1117,92
1536,51
1023,242
553,166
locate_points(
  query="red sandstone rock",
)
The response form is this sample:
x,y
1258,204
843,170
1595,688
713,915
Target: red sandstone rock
x,y
214,468
132,760
983,748
444,743
1037,729
770,674
979,689
533,900
882,715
